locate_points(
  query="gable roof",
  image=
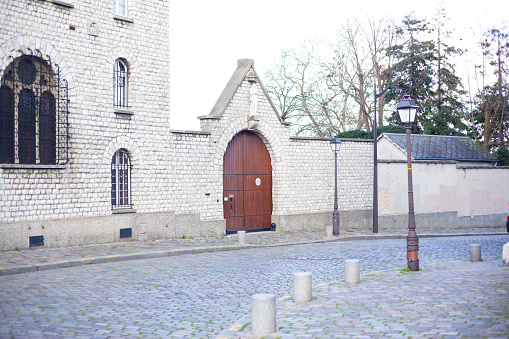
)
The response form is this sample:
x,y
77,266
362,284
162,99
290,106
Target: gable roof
x,y
244,67
440,147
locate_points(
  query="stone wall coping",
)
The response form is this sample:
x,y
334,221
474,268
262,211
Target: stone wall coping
x,y
458,163
328,139
393,161
189,132
482,167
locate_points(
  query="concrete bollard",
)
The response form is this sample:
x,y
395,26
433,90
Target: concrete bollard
x,y
475,252
302,287
505,256
328,231
143,232
352,271
263,314
241,238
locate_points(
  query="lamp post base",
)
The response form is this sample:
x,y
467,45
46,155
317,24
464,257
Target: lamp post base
x,y
413,265
335,222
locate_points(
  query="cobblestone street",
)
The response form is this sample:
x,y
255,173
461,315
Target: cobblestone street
x,y
203,295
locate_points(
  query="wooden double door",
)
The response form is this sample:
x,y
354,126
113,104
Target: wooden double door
x,y
247,184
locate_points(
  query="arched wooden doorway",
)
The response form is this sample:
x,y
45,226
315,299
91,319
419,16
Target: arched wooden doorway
x,y
247,184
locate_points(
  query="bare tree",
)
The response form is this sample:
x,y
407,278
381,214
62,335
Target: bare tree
x,y
328,97
490,115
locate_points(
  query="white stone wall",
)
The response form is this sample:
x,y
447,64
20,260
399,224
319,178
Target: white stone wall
x,y
95,131
176,178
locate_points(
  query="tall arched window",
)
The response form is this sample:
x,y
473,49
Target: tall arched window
x,y
120,180
33,113
120,84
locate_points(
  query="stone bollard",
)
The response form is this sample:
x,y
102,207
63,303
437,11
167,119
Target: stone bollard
x,y
302,287
352,272
143,232
241,236
328,231
505,256
263,314
475,252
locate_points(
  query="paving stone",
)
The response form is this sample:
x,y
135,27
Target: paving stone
x,y
203,294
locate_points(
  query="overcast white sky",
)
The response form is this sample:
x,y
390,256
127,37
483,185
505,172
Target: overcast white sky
x,y
208,36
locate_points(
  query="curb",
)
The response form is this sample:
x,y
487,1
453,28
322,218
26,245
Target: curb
x,y
194,250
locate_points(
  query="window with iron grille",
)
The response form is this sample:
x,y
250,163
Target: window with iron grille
x,y
120,180
33,113
120,84
120,7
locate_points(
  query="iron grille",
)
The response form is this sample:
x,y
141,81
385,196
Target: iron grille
x,y
120,180
120,84
33,113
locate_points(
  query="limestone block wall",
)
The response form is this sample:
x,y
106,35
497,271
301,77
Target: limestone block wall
x,y
83,40
309,186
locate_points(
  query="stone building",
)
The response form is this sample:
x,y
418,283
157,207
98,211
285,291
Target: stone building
x,y
87,154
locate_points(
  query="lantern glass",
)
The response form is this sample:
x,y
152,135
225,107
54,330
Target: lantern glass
x,y
407,110
335,143
407,115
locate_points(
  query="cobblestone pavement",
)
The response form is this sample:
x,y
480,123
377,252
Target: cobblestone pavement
x,y
202,295
129,249
446,300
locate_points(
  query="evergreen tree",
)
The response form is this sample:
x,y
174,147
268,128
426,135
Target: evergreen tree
x,y
426,73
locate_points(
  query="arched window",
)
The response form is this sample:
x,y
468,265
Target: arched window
x,y
120,84
120,7
33,113
120,180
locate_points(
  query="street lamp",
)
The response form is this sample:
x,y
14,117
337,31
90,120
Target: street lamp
x,y
335,144
407,110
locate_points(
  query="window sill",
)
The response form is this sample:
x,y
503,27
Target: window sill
x,y
63,3
123,111
31,166
122,18
123,211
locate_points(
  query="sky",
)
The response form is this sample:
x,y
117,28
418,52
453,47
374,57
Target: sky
x,y
207,37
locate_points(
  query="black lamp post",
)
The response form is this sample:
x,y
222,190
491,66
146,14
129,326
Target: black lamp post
x,y
335,143
407,110
375,160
